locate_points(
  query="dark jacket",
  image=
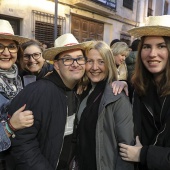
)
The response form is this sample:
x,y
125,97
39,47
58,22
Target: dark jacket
x,y
39,146
155,139
130,63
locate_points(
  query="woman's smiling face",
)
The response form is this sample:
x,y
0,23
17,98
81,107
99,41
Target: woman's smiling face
x,y
7,59
95,66
154,55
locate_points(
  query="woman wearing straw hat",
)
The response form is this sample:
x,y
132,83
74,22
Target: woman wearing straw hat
x,y
151,109
10,85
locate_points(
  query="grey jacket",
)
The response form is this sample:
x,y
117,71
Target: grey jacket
x,y
115,125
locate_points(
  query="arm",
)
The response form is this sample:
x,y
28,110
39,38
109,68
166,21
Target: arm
x,y
25,146
124,128
4,140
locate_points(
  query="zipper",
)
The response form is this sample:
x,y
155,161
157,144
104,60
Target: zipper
x,y
63,141
152,116
158,135
160,120
65,126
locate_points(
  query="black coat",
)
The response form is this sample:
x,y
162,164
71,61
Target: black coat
x,y
154,138
38,147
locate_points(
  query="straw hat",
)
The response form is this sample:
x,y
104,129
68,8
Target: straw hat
x,y
63,43
6,32
155,26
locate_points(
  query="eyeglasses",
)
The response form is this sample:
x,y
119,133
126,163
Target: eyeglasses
x,y
35,56
12,48
70,61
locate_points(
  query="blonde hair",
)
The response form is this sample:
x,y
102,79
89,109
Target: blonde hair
x,y
120,48
107,55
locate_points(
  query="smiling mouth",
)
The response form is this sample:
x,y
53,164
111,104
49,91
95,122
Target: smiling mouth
x,y
32,64
153,62
95,73
5,59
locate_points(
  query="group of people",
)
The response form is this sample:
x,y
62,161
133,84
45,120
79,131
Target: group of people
x,y
71,119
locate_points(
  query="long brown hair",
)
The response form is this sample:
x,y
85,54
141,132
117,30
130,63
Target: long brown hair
x,y
142,78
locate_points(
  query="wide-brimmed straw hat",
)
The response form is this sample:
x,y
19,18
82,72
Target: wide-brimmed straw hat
x,y
6,32
155,26
63,43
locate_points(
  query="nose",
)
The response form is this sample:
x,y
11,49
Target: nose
x,y
95,66
123,58
153,52
31,58
75,63
6,51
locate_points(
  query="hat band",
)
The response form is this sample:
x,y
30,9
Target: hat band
x,y
4,33
70,44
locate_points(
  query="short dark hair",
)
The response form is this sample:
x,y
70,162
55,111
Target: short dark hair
x,y
114,41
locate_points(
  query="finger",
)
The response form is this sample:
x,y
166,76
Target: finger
x,y
29,117
27,113
123,150
122,145
124,155
126,91
21,109
115,90
138,141
120,89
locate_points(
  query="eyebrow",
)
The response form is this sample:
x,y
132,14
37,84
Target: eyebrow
x,y
69,56
156,44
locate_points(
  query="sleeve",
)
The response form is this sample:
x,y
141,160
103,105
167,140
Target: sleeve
x,y
157,157
25,148
5,142
124,129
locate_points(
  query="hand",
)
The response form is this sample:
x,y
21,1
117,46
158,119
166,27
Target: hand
x,y
118,86
131,153
21,119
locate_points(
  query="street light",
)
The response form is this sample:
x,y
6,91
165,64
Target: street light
x,y
55,19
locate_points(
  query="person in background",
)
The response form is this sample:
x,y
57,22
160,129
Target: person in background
x,y
31,61
151,110
130,63
104,119
120,52
48,144
131,59
114,41
10,86
46,45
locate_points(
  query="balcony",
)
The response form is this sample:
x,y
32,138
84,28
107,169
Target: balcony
x,y
94,7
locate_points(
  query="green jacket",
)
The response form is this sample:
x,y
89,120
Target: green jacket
x,y
114,125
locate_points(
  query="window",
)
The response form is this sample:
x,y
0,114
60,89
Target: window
x,y
128,4
150,11
43,26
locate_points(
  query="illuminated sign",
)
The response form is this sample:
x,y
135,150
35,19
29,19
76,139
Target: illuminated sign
x,y
108,3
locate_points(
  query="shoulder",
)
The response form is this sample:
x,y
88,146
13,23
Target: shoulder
x,y
110,97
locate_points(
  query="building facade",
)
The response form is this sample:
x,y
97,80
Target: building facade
x,y
96,19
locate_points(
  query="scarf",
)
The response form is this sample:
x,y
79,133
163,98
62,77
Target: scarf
x,y
87,129
10,82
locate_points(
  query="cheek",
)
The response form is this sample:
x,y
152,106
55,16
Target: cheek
x,y
87,67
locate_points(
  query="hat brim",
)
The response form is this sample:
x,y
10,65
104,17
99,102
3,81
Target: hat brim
x,y
19,39
150,31
50,53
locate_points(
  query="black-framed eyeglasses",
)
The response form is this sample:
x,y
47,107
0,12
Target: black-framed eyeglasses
x,y
70,61
35,56
12,48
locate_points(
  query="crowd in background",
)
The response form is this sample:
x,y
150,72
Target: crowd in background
x,y
86,106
